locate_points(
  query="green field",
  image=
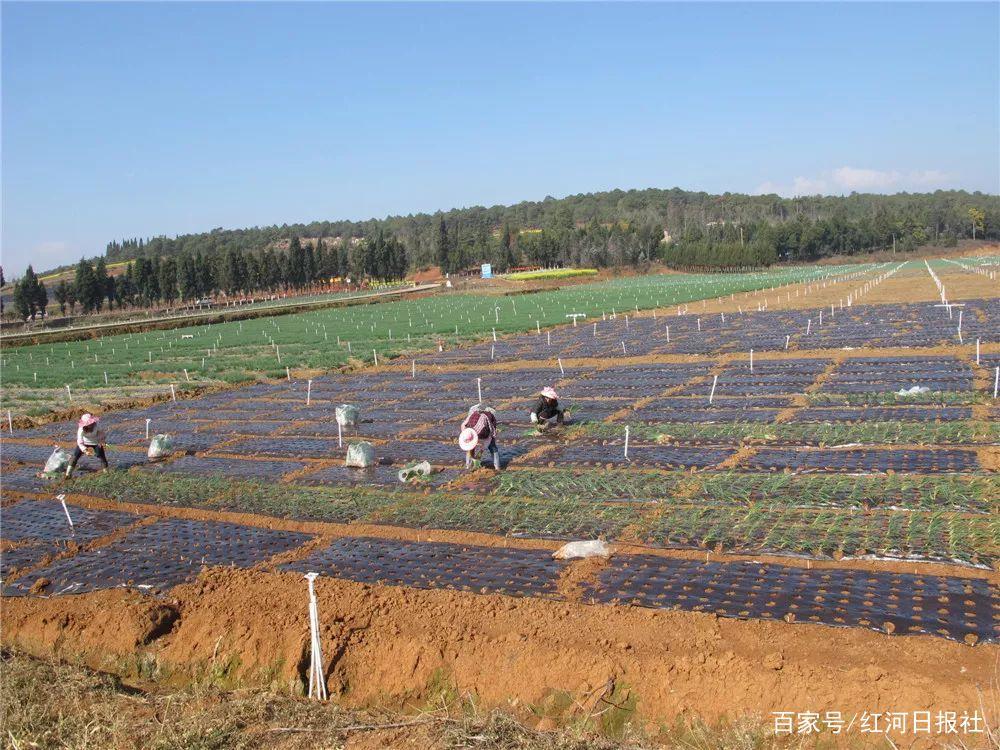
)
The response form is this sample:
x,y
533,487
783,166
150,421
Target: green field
x,y
112,367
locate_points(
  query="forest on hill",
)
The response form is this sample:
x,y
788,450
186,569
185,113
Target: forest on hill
x,y
682,229
628,227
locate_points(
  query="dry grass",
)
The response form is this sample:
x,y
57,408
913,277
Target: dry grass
x,y
47,706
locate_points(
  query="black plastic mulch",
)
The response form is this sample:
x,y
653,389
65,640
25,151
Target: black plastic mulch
x,y
45,520
911,604
514,572
865,460
230,467
162,555
582,454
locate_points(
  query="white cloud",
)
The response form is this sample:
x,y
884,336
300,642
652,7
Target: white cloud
x,y
858,179
864,180
809,186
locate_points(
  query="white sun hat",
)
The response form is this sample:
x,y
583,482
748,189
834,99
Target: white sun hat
x,y
468,439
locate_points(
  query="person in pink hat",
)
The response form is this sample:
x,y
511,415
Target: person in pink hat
x,y
547,409
479,432
90,439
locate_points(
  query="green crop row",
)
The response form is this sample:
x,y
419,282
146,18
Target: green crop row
x,y
759,515
966,494
805,433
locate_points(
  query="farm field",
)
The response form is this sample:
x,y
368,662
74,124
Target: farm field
x,y
777,497
123,368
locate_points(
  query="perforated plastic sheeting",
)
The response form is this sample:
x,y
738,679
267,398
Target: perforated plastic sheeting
x,y
515,572
162,555
704,416
24,479
867,460
24,454
583,454
23,558
45,520
910,604
303,447
230,467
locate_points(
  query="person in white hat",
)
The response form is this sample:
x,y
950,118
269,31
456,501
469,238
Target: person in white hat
x,y
90,439
479,432
547,409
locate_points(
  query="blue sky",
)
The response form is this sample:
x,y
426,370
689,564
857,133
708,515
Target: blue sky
x,y
165,118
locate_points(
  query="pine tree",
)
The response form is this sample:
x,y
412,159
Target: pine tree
x,y
168,279
100,283
41,298
442,248
61,294
22,302
506,249
85,285
296,263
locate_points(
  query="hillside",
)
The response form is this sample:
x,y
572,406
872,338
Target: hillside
x,y
622,227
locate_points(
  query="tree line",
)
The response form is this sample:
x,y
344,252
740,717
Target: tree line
x,y
627,227
151,281
682,229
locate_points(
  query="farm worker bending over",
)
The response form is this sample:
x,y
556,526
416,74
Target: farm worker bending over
x,y
90,439
479,430
547,408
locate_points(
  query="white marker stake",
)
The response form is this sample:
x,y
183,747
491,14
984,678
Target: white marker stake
x,y
479,389
375,353
309,388
751,360
711,396
147,428
186,376
173,393
809,325
787,339
548,338
69,393
624,353
996,382
668,334
493,351
561,371
626,442
538,328
977,351
960,325
288,374
595,330
317,686
494,334
10,422
413,369
62,499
